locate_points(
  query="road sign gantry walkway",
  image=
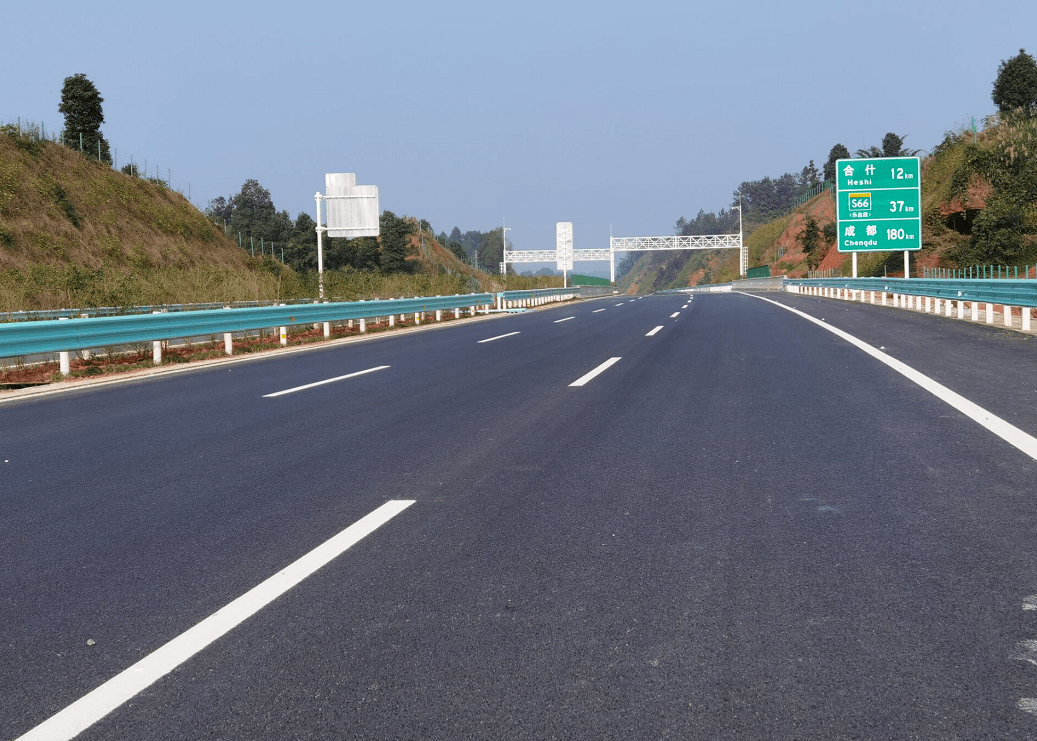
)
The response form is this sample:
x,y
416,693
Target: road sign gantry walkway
x,y
639,244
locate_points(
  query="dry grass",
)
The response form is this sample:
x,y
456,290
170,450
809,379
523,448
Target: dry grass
x,y
77,234
57,207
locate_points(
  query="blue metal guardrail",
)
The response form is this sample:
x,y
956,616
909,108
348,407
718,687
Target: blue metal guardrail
x,y
28,316
36,337
1007,292
538,293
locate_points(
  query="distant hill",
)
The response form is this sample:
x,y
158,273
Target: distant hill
x,y
957,188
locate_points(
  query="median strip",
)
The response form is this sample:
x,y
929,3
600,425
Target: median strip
x,y
321,383
584,380
95,705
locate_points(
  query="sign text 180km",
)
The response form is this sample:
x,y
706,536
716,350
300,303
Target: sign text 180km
x,y
879,204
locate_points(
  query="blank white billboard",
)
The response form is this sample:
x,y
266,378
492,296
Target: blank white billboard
x,y
564,245
352,209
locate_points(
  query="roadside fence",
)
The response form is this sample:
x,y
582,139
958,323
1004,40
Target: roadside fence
x,y
130,165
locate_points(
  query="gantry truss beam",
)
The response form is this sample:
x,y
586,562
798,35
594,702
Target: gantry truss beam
x,y
551,255
532,256
638,244
694,242
684,242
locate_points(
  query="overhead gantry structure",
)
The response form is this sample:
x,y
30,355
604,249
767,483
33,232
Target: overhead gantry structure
x,y
639,244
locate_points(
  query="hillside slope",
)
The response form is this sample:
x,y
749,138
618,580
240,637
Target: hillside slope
x,y
58,208
963,175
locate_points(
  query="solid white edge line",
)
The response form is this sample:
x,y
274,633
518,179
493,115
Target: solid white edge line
x,y
321,383
654,331
1006,431
95,705
558,321
583,380
498,337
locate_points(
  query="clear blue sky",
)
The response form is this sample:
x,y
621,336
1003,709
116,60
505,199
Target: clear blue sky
x,y
631,114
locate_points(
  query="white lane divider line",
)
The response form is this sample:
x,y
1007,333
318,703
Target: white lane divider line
x,y
321,383
620,303
1007,432
596,311
1030,603
584,380
652,333
1028,705
498,337
1026,651
675,314
93,706
559,321
685,306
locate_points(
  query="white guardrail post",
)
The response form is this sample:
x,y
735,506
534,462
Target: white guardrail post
x,y
64,365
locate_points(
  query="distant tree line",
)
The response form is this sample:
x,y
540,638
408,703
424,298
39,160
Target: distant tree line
x,y
250,218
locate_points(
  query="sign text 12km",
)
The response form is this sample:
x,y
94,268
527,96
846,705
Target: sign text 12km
x,y
879,204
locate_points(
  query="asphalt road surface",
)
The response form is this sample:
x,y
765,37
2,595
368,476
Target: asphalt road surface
x,y
739,526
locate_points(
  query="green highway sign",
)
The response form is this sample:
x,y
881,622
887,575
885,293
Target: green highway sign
x,y
879,204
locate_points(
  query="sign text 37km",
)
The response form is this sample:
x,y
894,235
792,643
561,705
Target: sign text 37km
x,y
879,204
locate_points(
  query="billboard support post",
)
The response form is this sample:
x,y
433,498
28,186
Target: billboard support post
x,y
352,212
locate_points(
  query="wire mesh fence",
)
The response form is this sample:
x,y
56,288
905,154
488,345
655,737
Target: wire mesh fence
x,y
126,163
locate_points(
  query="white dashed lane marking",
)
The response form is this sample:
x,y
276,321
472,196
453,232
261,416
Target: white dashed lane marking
x,y
585,379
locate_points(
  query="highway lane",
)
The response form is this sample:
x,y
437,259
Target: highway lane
x,y
742,529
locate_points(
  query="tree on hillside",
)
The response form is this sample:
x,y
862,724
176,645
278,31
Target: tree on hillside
x,y
809,176
1016,84
458,249
219,209
839,152
360,253
492,253
768,197
625,265
998,231
892,146
394,232
810,240
252,214
301,251
81,106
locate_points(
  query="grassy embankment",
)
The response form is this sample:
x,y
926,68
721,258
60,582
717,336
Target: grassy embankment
x,y
76,234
